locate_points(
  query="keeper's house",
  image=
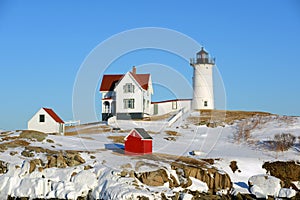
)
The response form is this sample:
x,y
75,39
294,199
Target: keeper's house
x,y
126,96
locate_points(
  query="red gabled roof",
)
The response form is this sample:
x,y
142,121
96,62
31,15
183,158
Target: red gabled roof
x,y
54,115
142,79
109,81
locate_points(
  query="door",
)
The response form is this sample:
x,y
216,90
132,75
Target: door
x,y
155,112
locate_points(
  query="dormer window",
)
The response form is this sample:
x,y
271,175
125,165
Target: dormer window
x,y
128,88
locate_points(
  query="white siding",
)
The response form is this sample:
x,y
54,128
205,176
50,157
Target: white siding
x,y
49,126
167,107
137,96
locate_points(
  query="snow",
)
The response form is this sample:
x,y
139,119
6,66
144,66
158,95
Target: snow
x,y
198,185
286,193
104,178
264,185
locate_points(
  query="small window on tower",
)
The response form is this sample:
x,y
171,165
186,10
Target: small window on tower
x,y
42,118
205,103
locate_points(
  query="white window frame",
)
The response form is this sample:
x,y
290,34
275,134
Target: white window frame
x,y
128,103
128,88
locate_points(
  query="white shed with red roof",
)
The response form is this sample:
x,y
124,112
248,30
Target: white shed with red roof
x,y
47,121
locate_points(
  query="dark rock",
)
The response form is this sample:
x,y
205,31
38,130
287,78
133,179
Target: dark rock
x,y
3,167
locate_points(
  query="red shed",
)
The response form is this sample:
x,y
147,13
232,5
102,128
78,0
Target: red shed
x,y
138,141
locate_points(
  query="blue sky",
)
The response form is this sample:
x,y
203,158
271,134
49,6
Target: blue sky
x,y
43,44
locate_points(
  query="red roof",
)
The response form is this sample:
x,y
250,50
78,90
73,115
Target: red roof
x,y
109,81
142,79
54,115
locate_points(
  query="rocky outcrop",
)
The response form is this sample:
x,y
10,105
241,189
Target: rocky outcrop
x,y
215,179
61,160
284,170
154,178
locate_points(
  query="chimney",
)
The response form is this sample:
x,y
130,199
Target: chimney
x,y
134,70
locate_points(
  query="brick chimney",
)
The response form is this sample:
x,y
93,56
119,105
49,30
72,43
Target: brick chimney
x,y
134,70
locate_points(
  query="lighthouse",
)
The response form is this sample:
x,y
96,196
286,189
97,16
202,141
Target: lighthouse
x,y
203,95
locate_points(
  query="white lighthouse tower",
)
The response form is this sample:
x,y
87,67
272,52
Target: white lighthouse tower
x,y
203,97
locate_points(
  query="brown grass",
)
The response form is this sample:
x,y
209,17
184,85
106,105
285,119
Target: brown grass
x,y
117,139
160,117
30,134
14,144
76,130
226,116
172,133
172,158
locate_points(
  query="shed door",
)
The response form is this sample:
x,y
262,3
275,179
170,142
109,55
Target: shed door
x,y
155,109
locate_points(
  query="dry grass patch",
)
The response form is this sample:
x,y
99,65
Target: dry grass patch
x,y
223,116
13,144
153,132
160,117
117,139
30,134
77,130
172,158
172,133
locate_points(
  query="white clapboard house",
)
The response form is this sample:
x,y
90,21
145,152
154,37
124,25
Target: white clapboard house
x,y
126,96
47,121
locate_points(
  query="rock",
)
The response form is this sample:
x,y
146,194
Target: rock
x,y
60,161
35,163
79,159
215,179
233,166
284,170
3,167
263,186
87,167
51,161
154,178
12,153
124,173
27,153
49,141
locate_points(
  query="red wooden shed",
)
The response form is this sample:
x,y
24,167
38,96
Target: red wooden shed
x,y
138,141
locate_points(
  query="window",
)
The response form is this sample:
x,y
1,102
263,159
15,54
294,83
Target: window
x,y
128,103
174,105
205,103
128,88
42,118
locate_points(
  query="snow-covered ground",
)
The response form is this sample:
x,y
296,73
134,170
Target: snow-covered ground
x,y
217,143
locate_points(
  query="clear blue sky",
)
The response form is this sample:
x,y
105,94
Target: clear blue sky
x,y
43,44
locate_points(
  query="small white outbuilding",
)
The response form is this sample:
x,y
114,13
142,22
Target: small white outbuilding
x,y
47,121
